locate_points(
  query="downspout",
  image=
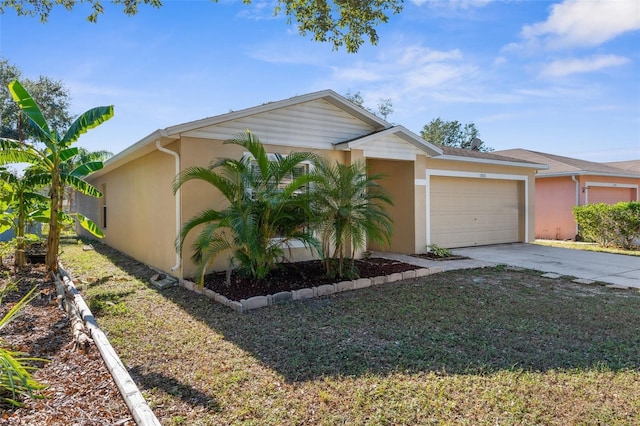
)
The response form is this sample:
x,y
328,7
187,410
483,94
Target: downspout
x,y
176,156
573,178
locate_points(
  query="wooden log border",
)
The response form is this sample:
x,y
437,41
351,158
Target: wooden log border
x,y
132,396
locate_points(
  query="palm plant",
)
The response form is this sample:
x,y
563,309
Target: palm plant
x,y
47,162
267,207
15,376
349,205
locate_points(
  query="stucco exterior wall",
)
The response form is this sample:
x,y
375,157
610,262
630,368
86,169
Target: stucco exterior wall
x,y
140,209
556,197
398,184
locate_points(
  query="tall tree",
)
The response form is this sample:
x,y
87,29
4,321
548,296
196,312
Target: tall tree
x,y
47,162
453,134
51,95
343,23
385,105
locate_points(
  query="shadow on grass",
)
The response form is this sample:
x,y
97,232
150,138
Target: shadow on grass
x,y
174,388
464,322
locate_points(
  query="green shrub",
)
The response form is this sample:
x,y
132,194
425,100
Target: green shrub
x,y
609,225
439,251
626,216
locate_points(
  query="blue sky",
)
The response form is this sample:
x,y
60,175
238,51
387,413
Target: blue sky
x,y
561,77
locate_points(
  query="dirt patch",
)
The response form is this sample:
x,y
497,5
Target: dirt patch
x,y
80,388
294,276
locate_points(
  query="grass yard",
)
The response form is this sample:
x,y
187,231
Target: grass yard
x,y
485,346
578,245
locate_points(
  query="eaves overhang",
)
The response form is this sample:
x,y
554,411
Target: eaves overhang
x,y
493,161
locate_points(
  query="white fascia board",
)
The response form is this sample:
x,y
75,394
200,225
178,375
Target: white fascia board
x,y
611,185
491,161
398,131
587,173
133,152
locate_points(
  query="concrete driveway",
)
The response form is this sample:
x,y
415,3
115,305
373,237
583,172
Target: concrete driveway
x,y
605,267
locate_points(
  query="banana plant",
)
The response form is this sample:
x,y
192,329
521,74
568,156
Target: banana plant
x,y
21,204
47,162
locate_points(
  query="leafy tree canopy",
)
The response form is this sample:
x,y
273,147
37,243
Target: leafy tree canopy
x,y
51,95
341,22
453,134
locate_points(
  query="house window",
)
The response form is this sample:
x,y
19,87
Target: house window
x,y
296,172
104,205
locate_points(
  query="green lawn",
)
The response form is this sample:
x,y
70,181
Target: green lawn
x,y
485,346
586,246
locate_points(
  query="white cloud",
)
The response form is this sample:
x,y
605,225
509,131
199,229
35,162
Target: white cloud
x,y
406,69
561,68
585,23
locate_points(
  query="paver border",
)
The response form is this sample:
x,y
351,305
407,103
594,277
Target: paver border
x,y
256,302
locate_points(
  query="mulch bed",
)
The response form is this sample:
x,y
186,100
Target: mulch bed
x,y
294,276
80,389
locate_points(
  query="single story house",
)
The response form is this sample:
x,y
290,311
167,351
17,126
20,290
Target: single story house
x,y
447,197
572,182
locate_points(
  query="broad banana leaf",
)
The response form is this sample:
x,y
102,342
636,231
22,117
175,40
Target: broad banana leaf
x,y
67,153
31,110
86,121
89,225
81,186
87,168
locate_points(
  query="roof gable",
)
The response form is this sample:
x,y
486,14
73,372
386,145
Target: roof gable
x,y
315,123
395,143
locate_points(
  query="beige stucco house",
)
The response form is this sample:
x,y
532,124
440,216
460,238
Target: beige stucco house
x,y
572,182
448,197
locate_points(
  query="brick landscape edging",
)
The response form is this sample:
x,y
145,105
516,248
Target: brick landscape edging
x,y
256,302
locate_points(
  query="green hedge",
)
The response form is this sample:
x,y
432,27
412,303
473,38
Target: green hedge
x,y
609,224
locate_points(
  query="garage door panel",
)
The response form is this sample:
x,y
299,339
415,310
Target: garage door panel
x,y
609,195
467,212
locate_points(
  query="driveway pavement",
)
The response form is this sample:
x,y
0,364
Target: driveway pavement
x,y
605,267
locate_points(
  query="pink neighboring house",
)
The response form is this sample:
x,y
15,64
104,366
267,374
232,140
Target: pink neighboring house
x,y
569,182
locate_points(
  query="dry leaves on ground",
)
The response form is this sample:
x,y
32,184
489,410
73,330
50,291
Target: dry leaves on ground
x,y
80,389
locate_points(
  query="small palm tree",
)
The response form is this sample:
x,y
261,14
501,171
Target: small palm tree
x,y
47,162
349,205
267,207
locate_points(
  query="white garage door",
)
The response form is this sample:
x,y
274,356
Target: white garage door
x,y
468,212
609,195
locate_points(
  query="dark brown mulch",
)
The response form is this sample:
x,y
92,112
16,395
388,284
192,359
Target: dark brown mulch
x,y
294,276
80,389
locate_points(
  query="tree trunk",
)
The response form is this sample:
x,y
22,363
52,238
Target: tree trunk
x,y
20,258
53,239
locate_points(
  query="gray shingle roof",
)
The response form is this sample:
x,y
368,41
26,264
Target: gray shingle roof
x,y
559,165
460,152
